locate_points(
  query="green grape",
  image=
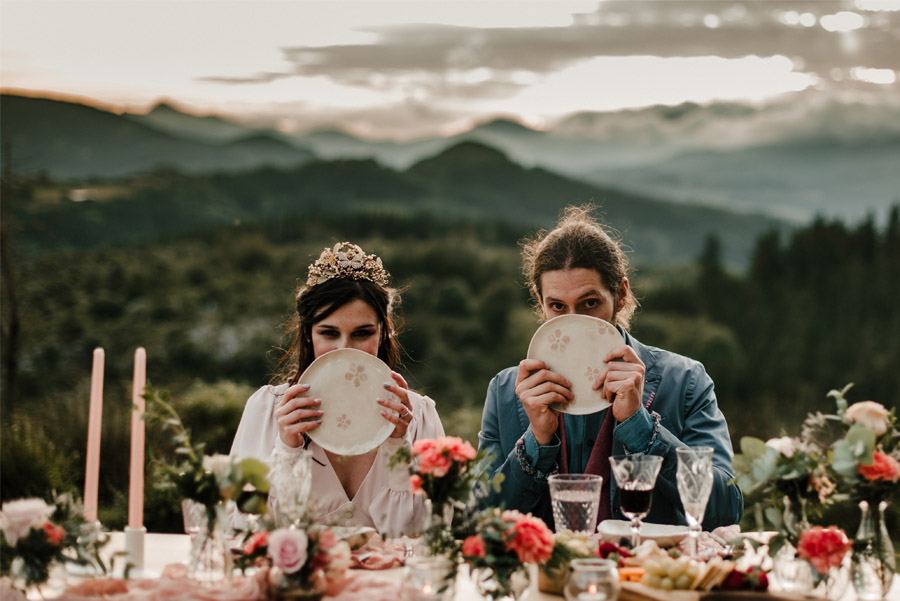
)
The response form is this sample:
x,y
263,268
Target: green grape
x,y
666,584
683,582
674,569
652,567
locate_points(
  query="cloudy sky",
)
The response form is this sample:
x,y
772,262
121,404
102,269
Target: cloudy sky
x,y
405,69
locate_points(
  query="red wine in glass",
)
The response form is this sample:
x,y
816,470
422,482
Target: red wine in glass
x,y
635,501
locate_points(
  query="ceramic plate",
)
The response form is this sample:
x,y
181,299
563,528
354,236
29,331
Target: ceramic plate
x,y
665,535
349,382
574,346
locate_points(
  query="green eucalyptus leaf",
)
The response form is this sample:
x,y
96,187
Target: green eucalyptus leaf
x,y
776,544
254,471
765,465
746,483
753,447
843,461
774,516
741,464
862,442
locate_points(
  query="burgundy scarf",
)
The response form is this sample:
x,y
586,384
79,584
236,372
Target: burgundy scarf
x,y
598,461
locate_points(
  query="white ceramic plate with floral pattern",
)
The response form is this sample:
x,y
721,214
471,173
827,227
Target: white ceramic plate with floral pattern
x,y
665,535
349,382
574,346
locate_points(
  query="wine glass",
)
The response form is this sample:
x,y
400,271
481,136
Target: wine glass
x,y
635,477
695,480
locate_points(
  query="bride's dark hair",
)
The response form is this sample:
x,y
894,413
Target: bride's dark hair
x,y
315,303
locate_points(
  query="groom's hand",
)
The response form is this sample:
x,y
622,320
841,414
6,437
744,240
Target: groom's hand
x,y
537,388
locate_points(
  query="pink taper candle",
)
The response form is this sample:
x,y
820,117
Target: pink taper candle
x,y
136,480
95,418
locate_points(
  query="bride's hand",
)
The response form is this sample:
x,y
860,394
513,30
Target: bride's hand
x,y
297,414
397,411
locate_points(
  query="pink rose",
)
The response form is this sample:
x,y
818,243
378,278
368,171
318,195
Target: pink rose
x,y
883,468
473,546
19,516
530,538
437,455
415,484
434,462
459,449
423,445
287,548
824,548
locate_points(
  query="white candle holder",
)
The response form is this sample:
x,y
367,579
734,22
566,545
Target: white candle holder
x,y
134,549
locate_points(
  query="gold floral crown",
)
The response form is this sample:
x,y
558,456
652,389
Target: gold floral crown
x,y
347,260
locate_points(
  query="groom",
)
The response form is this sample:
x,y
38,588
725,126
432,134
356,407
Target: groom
x,y
660,401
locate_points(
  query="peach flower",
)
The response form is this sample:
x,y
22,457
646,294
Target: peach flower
x,y
415,484
460,450
434,462
529,537
870,414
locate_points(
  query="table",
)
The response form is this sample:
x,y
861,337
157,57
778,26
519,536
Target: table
x,y
163,549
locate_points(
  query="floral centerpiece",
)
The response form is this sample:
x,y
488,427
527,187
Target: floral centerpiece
x,y
306,564
34,536
305,560
504,541
451,474
211,480
218,483
849,456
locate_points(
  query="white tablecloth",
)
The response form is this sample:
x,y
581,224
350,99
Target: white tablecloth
x,y
163,549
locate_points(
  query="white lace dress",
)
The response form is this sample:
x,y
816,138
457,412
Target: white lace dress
x,y
384,500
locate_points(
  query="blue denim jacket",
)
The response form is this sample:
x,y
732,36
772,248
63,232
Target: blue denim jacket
x,y
675,387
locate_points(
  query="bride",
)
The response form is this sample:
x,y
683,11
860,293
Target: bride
x,y
347,302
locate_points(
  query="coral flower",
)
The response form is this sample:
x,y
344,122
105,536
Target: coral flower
x,y
883,467
824,548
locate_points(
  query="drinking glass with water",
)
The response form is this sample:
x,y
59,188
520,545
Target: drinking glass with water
x,y
576,501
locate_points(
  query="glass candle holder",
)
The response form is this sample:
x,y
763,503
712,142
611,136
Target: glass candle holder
x,y
429,579
592,580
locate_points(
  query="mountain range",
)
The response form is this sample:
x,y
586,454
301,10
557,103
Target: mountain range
x,y
68,140
470,182
794,158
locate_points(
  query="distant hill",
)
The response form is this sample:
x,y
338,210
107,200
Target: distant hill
x,y
207,128
484,181
469,181
790,180
794,158
68,140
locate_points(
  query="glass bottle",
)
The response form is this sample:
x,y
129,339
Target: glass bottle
x,y
873,563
